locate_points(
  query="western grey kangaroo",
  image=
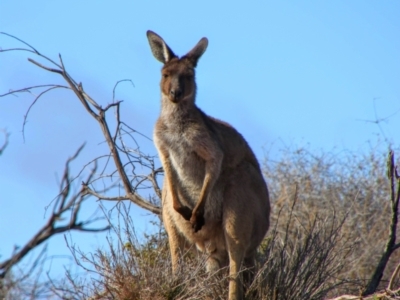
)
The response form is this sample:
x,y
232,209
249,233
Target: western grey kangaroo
x,y
214,194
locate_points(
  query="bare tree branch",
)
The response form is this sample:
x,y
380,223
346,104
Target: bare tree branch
x,y
390,245
63,204
32,49
34,102
5,143
379,120
131,184
133,174
394,275
86,189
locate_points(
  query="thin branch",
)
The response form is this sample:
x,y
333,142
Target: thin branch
x,y
394,275
5,143
32,49
119,82
377,121
21,41
30,88
87,190
44,67
34,102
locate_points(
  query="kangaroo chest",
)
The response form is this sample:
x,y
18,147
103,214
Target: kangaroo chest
x,y
181,149
185,161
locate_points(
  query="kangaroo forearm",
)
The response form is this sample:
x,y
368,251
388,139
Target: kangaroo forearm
x,y
197,216
170,178
205,191
213,170
172,189
172,182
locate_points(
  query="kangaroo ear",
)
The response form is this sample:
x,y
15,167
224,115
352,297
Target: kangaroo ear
x,y
198,50
160,49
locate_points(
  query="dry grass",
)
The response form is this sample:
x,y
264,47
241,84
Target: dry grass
x,y
304,260
330,223
130,269
329,227
290,268
350,186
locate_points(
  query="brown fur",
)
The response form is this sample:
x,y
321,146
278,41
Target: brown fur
x,y
214,194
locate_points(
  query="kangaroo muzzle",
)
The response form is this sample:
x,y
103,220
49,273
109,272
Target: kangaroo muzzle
x,y
175,95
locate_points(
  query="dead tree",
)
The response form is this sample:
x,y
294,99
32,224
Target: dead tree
x,y
123,174
66,206
117,145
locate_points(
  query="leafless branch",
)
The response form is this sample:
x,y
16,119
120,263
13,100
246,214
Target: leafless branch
x,y
50,88
5,143
132,174
391,242
378,120
63,205
119,82
132,183
394,275
46,87
86,189
30,48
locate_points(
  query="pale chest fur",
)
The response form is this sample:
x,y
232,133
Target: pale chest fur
x,y
188,166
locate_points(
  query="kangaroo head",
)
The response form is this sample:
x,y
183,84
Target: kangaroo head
x,y
178,74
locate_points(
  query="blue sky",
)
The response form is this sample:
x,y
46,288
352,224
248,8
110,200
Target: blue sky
x,y
281,72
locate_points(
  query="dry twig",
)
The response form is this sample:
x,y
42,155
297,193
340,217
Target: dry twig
x,y
64,204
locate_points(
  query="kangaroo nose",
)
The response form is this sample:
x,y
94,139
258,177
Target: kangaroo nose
x,y
176,93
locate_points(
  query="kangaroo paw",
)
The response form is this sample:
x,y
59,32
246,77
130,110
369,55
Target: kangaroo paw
x,y
185,212
197,221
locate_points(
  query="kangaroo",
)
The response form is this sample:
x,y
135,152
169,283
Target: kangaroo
x,y
214,195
